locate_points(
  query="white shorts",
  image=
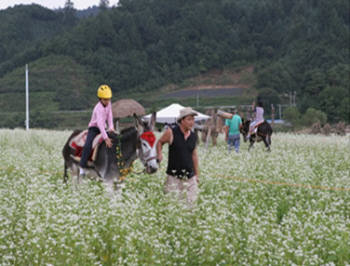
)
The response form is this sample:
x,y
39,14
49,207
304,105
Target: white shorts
x,y
185,188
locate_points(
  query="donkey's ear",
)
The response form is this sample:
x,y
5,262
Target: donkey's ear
x,y
138,123
152,121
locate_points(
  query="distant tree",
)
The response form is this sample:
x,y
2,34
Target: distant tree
x,y
335,101
69,12
68,5
278,76
104,4
315,81
292,115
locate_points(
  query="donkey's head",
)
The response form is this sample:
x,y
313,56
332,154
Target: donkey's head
x,y
146,151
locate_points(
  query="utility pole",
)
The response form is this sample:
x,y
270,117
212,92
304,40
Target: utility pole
x,y
280,111
272,115
27,99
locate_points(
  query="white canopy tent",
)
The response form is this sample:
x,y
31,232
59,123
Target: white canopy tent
x,y
171,113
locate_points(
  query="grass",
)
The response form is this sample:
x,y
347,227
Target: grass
x,y
235,222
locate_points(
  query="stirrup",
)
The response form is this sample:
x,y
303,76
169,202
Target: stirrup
x,y
77,159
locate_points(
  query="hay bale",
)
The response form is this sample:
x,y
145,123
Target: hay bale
x,y
316,128
327,129
340,129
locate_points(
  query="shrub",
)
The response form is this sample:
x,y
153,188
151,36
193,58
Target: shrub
x,y
292,115
313,116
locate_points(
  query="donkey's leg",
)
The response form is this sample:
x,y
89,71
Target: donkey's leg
x,y
266,142
251,140
73,172
65,175
269,140
78,176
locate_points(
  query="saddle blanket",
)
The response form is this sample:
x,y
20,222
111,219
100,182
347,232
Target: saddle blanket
x,y
77,144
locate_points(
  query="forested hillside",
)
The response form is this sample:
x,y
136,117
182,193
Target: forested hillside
x,y
142,45
22,28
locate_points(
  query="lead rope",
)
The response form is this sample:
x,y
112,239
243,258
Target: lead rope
x,y
123,171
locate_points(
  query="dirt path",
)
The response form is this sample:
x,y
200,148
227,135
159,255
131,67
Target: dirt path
x,y
221,82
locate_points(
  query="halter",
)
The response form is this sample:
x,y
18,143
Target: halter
x,y
150,138
151,158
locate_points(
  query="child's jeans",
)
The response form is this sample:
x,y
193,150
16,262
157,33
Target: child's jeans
x,y
92,133
233,140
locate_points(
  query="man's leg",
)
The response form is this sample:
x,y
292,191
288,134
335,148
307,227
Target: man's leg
x,y
172,184
230,143
237,142
192,190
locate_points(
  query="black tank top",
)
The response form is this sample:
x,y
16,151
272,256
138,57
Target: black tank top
x,y
180,163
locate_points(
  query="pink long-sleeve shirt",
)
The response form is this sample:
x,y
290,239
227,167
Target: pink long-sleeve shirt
x,y
99,117
259,115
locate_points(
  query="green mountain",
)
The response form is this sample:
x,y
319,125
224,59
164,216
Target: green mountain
x,y
25,27
140,46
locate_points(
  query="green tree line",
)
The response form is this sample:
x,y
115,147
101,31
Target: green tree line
x,y
297,46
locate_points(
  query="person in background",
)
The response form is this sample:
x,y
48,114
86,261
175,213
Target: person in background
x,y
259,117
166,125
101,114
232,127
183,169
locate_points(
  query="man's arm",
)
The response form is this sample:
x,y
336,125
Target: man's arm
x,y
226,132
224,114
195,164
165,138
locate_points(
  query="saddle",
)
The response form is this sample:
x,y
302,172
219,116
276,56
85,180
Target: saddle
x,y
257,125
77,144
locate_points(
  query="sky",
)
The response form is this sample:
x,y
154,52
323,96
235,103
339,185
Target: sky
x,y
53,4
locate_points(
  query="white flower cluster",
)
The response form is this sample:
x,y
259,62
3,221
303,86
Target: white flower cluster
x,y
254,208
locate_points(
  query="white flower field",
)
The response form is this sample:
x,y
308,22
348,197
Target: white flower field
x,y
287,207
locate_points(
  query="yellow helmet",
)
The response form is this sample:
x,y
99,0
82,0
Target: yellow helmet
x,y
104,92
